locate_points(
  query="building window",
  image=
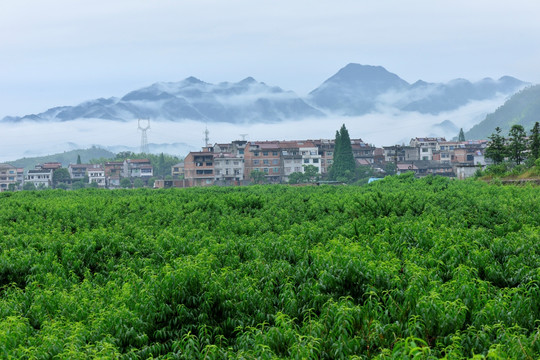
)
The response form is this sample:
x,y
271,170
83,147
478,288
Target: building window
x,y
255,162
315,161
265,153
256,153
265,170
329,153
275,161
266,162
274,153
276,170
306,161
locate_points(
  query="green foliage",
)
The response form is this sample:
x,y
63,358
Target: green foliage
x,y
138,183
344,165
79,184
125,183
60,176
402,268
29,186
310,174
257,177
461,136
534,141
523,108
65,158
496,149
517,144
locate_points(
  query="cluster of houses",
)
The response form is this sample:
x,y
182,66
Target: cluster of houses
x,y
233,163
107,175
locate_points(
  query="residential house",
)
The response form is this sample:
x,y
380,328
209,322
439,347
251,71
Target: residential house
x,y
40,177
96,174
399,154
77,171
199,167
113,173
8,176
138,168
263,156
426,146
228,168
177,170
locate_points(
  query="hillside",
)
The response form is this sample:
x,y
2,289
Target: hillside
x,y
399,269
65,158
523,108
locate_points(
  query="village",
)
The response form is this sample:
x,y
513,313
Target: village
x,y
228,164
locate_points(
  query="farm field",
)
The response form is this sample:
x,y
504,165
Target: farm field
x,y
400,268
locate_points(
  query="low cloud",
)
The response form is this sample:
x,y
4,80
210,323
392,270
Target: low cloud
x,y
389,127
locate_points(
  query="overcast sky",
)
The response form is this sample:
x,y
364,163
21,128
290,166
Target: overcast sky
x,y
62,52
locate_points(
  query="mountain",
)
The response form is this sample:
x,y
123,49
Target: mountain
x,y
360,89
65,158
244,101
354,90
523,108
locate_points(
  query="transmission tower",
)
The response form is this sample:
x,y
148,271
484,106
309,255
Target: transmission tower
x,y
144,138
206,137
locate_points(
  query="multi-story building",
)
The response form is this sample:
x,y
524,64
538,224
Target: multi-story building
x,y
363,153
177,171
113,173
77,171
8,176
263,156
199,167
96,174
41,178
427,146
296,155
138,168
228,168
462,152
399,154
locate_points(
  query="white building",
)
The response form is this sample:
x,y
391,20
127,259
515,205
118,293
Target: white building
x,y
96,174
41,178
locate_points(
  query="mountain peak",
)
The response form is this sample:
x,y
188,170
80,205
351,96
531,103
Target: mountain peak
x,y
247,81
193,80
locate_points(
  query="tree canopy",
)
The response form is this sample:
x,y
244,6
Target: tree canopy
x,y
343,166
496,149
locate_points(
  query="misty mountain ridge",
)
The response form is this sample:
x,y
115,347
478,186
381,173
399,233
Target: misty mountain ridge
x,y
354,90
523,108
191,98
360,89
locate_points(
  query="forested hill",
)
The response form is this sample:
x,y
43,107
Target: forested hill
x,y
65,158
523,108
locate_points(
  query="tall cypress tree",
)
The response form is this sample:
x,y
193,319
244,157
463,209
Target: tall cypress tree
x,y
534,141
335,159
344,165
518,145
461,136
347,156
496,149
